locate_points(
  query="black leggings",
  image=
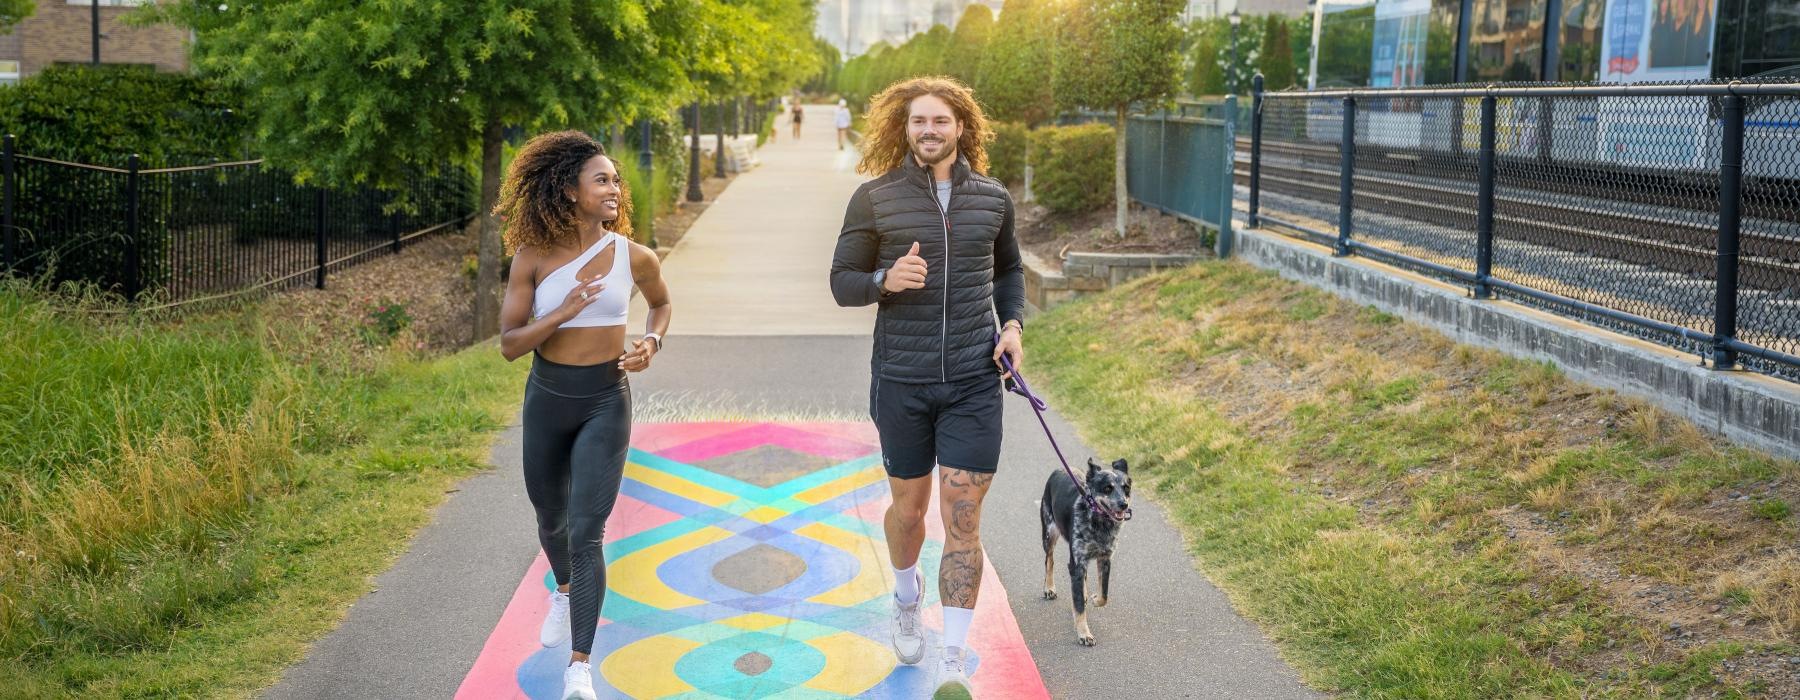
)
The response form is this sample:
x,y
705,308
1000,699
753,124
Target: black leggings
x,y
577,428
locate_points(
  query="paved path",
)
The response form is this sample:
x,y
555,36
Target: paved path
x,y
745,555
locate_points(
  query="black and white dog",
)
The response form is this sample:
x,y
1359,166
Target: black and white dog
x,y
1091,535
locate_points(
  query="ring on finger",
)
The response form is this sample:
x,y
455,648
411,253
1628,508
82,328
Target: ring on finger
x,y
584,296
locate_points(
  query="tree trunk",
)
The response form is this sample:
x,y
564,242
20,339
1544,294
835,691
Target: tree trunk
x,y
1121,192
487,271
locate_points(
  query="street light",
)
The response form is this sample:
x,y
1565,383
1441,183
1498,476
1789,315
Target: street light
x,y
1235,20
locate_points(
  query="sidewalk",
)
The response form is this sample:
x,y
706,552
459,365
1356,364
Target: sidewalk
x,y
746,558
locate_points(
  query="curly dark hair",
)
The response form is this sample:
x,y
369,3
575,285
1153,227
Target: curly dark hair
x,y
534,200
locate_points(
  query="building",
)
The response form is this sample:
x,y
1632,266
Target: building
x,y
62,31
855,25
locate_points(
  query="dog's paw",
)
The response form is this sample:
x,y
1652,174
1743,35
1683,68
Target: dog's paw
x,y
1049,594
1098,601
1086,640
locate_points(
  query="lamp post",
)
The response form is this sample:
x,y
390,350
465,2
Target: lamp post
x,y
1236,19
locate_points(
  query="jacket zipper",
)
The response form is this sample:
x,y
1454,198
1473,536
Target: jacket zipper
x,y
944,319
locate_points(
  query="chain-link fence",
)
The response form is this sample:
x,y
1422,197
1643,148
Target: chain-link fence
x,y
191,233
1669,211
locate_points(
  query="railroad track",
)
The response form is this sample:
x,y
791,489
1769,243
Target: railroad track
x,y
1765,261
1777,200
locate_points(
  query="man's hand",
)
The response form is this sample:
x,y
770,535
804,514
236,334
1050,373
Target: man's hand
x,y
907,273
1013,347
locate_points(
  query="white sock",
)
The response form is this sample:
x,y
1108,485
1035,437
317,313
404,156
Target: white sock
x,y
906,584
956,626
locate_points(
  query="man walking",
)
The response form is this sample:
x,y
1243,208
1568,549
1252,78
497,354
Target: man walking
x,y
841,119
930,240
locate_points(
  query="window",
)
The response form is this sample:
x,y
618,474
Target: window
x,y
1579,46
9,72
1506,40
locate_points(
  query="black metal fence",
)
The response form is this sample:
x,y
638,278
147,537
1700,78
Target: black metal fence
x,y
179,235
1671,212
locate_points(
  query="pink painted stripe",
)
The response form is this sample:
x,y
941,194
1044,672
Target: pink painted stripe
x,y
758,434
513,640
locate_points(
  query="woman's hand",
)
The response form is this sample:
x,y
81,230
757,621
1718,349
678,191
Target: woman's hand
x,y
638,359
579,298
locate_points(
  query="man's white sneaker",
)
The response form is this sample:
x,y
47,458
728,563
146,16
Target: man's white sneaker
x,y
909,629
952,680
556,624
578,682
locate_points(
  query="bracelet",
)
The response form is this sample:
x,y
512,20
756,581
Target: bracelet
x,y
656,338
1015,323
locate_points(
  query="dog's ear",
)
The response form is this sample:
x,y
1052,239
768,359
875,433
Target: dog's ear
x,y
1120,465
1092,466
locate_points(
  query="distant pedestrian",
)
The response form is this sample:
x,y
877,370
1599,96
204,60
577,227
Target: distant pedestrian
x,y
843,122
799,114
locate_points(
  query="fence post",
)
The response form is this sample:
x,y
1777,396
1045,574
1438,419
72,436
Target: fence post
x,y
394,227
319,235
1227,237
693,181
1484,203
1256,119
1347,148
134,263
1731,197
10,248
647,163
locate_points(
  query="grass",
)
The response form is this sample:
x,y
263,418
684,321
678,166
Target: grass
x,y
183,508
1412,518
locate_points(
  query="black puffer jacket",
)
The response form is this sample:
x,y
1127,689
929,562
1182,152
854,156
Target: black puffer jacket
x,y
922,335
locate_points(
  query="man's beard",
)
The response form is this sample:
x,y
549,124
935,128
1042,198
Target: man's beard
x,y
946,148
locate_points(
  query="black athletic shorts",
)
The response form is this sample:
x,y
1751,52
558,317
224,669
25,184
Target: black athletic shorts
x,y
956,424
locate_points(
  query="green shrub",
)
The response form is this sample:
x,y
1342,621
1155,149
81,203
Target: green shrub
x,y
383,321
1072,167
103,115
1006,154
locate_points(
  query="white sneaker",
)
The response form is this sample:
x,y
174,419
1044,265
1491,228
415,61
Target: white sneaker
x,y
909,629
953,680
556,625
578,682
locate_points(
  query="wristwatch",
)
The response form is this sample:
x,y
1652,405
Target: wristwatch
x,y
881,281
655,338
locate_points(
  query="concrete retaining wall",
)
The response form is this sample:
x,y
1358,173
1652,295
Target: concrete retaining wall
x,y
1086,273
1749,408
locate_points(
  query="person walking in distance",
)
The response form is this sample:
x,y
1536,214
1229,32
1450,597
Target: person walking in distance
x,y
930,240
842,120
799,114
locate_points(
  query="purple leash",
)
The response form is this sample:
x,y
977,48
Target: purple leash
x,y
1039,406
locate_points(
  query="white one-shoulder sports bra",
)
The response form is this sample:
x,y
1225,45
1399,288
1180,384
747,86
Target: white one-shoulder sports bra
x,y
615,300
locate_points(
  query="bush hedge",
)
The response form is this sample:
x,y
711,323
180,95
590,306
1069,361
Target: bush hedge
x,y
1072,167
1006,154
102,115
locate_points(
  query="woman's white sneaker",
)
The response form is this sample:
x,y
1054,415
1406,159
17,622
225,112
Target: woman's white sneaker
x,y
578,682
556,624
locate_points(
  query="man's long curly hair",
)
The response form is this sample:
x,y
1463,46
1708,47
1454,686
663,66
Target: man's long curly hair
x,y
885,146
534,196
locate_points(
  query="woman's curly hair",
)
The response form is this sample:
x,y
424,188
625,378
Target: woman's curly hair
x,y
534,196
885,145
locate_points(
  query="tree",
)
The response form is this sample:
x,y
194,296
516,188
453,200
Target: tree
x,y
926,53
831,65
1112,53
357,92
967,43
12,12
1277,54
1017,60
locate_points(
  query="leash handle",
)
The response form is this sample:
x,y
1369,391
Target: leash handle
x,y
1016,384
